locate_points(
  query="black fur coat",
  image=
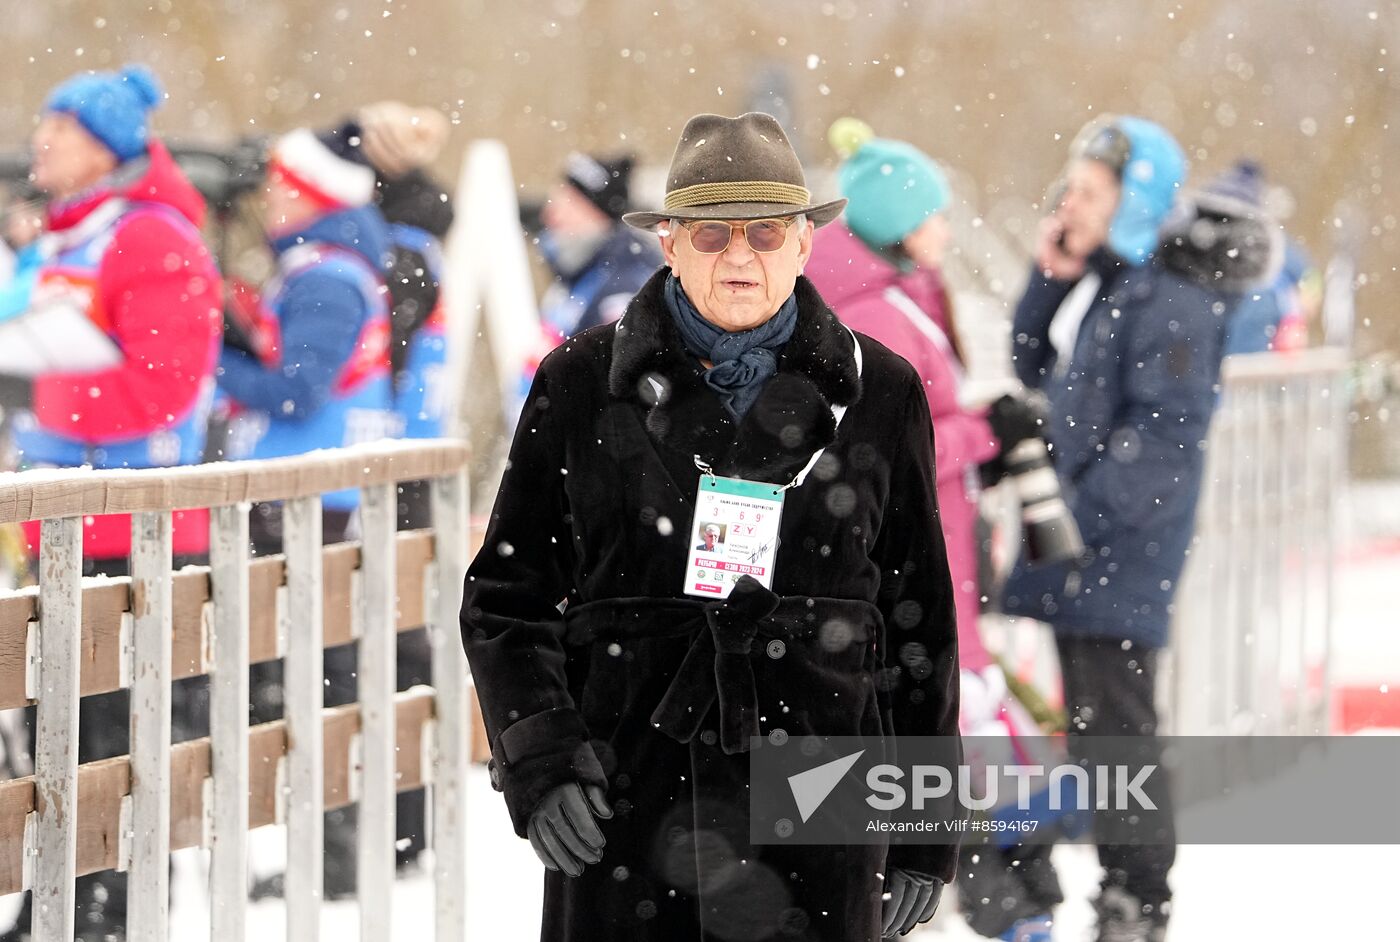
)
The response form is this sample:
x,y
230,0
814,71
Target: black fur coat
x,y
654,694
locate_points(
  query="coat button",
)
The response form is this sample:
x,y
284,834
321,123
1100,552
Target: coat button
x,y
776,649
709,737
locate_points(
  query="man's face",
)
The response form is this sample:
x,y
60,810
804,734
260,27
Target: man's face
x,y
738,288
1087,208
568,213
67,158
285,207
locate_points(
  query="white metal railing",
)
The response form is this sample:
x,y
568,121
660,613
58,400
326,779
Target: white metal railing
x,y
1250,649
1252,633
45,841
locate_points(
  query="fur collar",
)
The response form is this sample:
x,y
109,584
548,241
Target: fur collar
x,y
791,418
1222,243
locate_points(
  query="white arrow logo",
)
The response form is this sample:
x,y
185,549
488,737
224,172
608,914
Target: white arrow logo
x,y
810,788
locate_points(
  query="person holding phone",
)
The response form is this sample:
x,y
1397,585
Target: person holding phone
x,y
1122,326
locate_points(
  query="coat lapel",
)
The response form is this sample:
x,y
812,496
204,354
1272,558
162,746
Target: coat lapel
x,y
789,421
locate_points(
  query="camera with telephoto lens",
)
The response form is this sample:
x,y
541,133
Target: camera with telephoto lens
x,y
1047,526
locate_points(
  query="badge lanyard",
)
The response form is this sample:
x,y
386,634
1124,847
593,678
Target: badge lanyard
x,y
734,532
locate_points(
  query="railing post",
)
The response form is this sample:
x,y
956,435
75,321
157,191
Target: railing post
x,y
149,869
1335,457
303,696
56,734
452,745
377,676
228,723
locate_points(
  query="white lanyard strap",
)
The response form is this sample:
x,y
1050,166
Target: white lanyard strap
x,y
837,413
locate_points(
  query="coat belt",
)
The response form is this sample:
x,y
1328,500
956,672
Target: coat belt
x,y
718,666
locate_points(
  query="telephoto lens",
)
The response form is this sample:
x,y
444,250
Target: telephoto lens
x,y
1047,527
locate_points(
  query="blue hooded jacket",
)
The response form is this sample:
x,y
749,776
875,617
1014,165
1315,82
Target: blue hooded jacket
x,y
1150,179
1130,410
332,387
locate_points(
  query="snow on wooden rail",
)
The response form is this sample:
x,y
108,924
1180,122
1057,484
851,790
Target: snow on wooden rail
x,y
72,637
72,492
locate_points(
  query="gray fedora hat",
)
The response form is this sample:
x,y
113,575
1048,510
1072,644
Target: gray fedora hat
x,y
736,168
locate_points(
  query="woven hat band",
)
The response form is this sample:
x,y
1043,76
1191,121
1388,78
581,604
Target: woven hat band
x,y
742,191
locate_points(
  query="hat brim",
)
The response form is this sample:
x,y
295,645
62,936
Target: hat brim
x,y
819,213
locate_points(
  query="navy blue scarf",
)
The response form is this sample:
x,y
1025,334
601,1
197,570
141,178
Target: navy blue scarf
x,y
743,360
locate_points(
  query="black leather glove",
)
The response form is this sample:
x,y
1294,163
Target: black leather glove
x,y
991,471
1013,420
913,899
562,830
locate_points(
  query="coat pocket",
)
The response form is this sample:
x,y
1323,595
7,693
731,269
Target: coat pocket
x,y
626,679
818,681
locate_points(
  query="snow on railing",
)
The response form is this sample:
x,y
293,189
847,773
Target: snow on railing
x,y
159,625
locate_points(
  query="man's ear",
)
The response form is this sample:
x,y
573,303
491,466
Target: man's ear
x,y
668,243
804,245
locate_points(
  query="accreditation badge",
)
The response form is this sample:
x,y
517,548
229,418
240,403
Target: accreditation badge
x,y
734,533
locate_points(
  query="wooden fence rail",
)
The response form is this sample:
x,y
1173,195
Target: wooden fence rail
x,y
71,637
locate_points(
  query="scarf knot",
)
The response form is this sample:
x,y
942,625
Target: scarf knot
x,y
743,360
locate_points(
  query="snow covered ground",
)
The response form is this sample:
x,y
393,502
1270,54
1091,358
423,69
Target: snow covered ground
x,y
1279,893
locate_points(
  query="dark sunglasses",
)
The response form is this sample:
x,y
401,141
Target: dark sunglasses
x,y
763,235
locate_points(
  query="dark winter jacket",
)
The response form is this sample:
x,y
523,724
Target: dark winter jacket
x,y
1129,419
598,292
653,694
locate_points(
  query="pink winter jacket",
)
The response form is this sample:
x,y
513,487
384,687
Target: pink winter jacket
x,y
858,284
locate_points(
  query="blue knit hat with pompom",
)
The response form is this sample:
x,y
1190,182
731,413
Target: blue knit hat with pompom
x,y
113,106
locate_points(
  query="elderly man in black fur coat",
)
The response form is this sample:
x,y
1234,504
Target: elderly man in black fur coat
x,y
619,703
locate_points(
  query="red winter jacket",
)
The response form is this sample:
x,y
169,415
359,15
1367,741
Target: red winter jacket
x,y
159,295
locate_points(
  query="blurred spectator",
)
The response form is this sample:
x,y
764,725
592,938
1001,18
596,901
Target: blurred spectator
x,y
115,310
598,263
1274,314
319,378
397,142
320,374
1123,326
114,318
879,269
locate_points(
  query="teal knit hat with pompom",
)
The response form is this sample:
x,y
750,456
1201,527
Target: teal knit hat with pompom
x,y
892,186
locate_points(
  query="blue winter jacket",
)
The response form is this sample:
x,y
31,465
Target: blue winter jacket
x,y
1129,416
1128,426
1130,412
332,385
598,292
